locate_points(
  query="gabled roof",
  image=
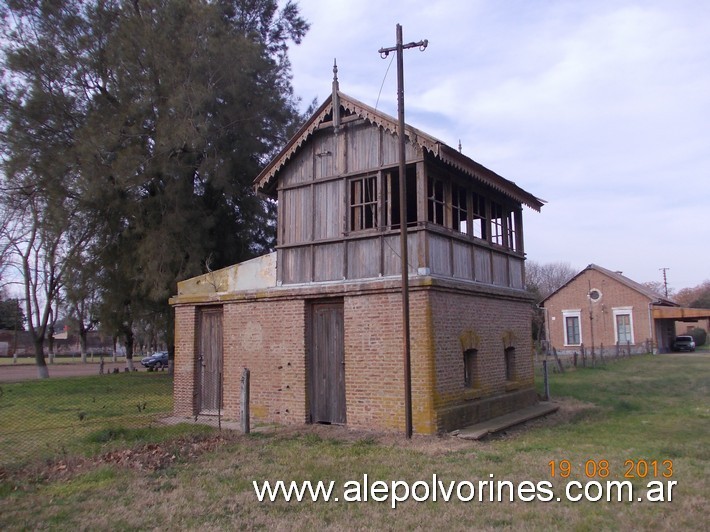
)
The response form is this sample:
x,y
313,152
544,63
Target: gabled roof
x,y
265,180
655,297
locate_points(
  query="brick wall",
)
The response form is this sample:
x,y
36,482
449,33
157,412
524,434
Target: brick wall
x,y
574,296
488,324
184,367
270,337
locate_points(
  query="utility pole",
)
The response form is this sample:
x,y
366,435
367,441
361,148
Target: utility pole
x,y
665,280
384,52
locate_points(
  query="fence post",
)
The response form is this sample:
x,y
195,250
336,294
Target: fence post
x,y
245,401
546,380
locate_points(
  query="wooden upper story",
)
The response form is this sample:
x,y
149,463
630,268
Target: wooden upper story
x,y
337,187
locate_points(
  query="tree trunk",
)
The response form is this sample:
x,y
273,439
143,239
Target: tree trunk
x,y
42,369
129,350
82,343
50,344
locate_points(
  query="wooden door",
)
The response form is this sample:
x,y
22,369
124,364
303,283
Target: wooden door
x,y
327,364
209,370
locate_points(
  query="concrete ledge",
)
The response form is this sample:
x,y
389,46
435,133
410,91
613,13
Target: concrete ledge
x,y
481,430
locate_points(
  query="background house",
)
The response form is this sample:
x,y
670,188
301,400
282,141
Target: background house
x,y
600,308
318,322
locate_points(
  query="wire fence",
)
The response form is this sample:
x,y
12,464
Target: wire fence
x,y
80,407
586,357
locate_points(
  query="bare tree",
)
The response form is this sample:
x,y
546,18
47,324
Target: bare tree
x,y
544,279
43,245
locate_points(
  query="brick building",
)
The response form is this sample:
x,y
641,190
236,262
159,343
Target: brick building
x,y
319,321
600,308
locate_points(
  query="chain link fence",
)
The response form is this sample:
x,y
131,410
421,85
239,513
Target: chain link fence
x,y
81,406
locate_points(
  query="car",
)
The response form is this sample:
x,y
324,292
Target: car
x,y
157,360
683,343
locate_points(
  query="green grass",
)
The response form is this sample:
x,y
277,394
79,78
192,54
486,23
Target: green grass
x,y
45,418
645,408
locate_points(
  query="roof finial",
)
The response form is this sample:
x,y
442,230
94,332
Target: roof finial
x,y
459,145
336,99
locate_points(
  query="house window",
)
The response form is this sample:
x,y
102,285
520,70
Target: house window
x,y
479,217
435,193
496,223
363,203
510,363
573,333
459,211
623,325
470,368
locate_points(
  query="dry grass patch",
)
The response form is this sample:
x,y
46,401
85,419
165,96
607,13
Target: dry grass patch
x,y
646,408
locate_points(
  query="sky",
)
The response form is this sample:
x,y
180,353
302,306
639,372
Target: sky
x,y
602,109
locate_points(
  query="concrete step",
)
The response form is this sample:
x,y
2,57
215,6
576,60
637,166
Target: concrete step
x,y
491,426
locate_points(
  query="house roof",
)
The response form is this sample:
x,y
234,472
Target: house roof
x,y
655,297
266,179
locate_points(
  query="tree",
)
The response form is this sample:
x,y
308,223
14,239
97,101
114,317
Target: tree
x,y
695,297
12,317
542,280
41,111
545,279
164,111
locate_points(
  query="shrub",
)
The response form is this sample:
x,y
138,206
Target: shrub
x,y
699,335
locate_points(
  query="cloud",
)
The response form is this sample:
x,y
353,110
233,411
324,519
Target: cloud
x,y
598,107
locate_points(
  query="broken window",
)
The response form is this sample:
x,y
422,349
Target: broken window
x,y
437,201
479,217
459,210
511,230
496,223
363,203
392,214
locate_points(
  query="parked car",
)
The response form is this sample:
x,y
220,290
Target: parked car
x,y
158,360
683,343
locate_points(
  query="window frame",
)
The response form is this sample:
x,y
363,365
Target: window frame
x,y
362,204
572,314
623,311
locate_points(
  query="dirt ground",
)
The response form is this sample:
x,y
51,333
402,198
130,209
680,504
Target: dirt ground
x,y
23,372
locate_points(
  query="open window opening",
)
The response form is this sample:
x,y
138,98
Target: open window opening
x,y
479,221
459,209
363,203
510,363
470,368
392,215
436,200
496,223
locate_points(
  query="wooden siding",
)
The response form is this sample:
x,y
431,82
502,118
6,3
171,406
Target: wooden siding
x,y
318,244
517,279
329,218
439,255
482,265
463,260
363,258
329,262
296,209
296,265
500,269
